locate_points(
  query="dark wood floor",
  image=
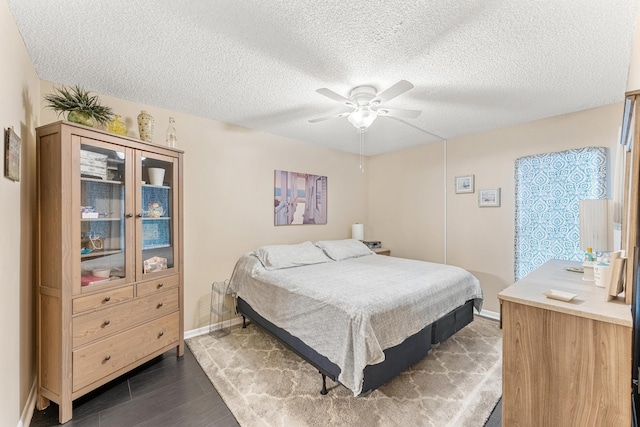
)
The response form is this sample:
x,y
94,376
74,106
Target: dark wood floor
x,y
166,391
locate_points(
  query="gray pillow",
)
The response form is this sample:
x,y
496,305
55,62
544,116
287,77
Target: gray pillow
x,y
275,257
338,250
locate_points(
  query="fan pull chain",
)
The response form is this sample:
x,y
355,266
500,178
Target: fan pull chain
x,y
362,151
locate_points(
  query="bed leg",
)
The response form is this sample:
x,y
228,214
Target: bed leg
x,y
244,322
324,384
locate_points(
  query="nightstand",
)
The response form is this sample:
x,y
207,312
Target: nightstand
x,y
382,251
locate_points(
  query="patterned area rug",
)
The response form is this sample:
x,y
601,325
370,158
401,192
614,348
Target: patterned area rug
x,y
265,384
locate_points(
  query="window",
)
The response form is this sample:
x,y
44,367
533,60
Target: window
x,y
548,190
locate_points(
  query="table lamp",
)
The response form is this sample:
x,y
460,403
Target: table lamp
x,y
357,232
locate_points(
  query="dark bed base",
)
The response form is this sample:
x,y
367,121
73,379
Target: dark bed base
x,y
397,358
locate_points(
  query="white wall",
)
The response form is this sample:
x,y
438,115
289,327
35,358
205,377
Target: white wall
x,y
406,202
19,92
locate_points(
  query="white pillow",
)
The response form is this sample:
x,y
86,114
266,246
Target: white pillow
x,y
343,249
275,257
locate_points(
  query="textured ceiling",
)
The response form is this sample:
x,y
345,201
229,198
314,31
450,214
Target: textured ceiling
x,y
476,65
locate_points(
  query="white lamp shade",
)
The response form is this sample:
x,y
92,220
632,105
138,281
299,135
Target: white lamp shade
x,y
596,225
357,231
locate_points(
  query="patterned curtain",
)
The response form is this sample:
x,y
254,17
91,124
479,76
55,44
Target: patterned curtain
x,y
548,190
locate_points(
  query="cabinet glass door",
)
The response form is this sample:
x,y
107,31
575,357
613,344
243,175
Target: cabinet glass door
x,y
103,213
157,209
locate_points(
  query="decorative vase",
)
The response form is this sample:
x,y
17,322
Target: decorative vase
x,y
80,117
145,126
117,126
172,138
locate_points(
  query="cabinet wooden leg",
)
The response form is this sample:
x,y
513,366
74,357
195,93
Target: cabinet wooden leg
x,y
180,349
42,403
65,411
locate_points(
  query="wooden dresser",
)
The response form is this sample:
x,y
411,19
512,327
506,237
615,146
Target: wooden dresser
x,y
564,363
110,265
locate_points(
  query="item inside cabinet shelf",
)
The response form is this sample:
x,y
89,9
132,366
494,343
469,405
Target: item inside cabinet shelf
x,y
90,253
92,280
155,263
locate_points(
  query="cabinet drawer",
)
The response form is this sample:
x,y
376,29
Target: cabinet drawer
x,y
98,324
105,357
103,299
157,285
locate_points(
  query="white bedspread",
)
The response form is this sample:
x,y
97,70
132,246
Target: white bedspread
x,y
352,310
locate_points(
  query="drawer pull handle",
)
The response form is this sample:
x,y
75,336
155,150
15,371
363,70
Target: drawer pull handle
x,y
160,285
160,334
107,322
160,304
107,357
139,215
107,299
129,215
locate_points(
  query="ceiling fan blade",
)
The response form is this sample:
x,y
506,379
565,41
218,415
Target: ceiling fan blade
x,y
396,90
336,97
321,119
396,112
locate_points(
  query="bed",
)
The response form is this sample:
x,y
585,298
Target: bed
x,y
358,317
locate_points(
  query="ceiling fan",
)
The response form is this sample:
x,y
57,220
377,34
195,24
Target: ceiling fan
x,y
367,104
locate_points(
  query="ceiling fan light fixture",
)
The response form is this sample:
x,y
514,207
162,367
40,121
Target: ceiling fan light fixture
x,y
362,117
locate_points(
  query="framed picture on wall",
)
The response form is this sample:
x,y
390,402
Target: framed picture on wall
x,y
489,198
464,184
299,198
11,155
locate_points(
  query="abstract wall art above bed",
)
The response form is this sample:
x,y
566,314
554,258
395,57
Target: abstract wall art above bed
x,y
299,198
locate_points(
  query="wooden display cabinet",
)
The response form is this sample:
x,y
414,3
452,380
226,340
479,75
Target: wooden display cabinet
x,y
110,268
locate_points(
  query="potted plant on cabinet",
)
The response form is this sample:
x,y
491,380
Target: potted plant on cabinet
x,y
81,106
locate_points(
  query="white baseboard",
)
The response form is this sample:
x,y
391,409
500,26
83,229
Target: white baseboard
x,y
29,406
205,329
489,314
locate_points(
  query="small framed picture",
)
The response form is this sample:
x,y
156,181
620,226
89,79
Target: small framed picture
x,y
464,184
11,155
489,197
616,280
